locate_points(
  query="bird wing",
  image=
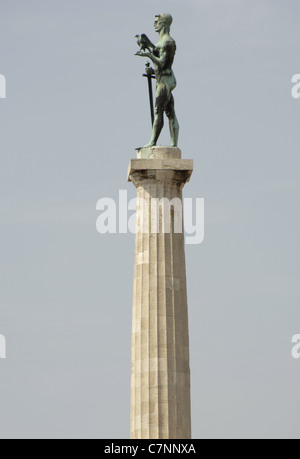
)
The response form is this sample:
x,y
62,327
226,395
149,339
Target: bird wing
x,y
145,40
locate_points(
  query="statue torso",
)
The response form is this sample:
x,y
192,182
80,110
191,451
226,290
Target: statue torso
x,y
168,46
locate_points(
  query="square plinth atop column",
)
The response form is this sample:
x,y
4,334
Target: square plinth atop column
x,y
158,159
158,153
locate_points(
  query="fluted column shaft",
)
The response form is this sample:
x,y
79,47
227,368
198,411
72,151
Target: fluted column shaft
x,y
160,373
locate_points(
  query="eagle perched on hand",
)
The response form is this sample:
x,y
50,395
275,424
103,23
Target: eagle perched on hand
x,y
144,42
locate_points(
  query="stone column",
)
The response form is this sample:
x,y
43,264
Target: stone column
x,y
160,371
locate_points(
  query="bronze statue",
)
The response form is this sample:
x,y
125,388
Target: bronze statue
x,y
162,56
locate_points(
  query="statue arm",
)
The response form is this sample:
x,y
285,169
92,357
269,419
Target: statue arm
x,y
159,61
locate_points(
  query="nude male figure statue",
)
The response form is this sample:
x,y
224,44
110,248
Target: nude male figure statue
x,y
162,56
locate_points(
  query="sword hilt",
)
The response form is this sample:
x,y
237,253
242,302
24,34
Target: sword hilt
x,y
149,71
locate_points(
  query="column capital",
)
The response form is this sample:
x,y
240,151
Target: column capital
x,y
169,171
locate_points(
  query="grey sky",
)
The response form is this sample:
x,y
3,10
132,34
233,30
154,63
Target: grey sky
x,y
76,108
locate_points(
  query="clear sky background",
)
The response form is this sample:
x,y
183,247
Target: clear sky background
x,y
76,108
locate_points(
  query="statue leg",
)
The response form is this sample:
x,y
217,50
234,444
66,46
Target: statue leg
x,y
160,104
174,125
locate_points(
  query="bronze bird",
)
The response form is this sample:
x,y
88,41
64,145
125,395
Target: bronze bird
x,y
144,42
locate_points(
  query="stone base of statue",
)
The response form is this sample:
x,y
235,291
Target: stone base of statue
x,y
160,371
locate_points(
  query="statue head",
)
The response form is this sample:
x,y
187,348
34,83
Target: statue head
x,y
163,21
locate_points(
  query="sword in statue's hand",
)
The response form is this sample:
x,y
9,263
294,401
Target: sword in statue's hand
x,y
149,74
144,43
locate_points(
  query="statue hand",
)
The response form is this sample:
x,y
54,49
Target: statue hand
x,y
139,53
